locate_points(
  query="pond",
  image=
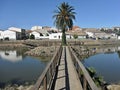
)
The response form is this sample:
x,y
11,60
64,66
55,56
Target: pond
x,y
16,68
106,63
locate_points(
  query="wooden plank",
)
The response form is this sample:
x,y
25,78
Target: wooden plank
x,y
60,79
85,73
45,83
74,82
40,79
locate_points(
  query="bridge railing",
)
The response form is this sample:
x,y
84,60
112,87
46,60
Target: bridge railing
x,y
44,82
84,77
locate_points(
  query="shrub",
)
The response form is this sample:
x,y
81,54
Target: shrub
x,y
6,38
32,36
97,79
75,36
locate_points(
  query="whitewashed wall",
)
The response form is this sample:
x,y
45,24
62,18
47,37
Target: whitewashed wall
x,y
36,34
1,35
81,37
10,34
55,36
118,37
90,34
15,29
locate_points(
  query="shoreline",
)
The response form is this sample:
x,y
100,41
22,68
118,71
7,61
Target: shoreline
x,y
47,48
17,87
36,43
41,50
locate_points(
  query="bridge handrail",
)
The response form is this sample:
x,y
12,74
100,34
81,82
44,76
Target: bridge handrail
x,y
50,69
86,80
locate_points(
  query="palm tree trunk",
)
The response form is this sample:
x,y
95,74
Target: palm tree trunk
x,y
63,37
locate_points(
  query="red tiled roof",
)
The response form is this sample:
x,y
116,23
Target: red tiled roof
x,y
29,31
75,27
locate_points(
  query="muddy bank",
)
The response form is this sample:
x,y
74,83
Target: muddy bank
x,y
12,46
42,51
113,87
94,42
17,87
101,42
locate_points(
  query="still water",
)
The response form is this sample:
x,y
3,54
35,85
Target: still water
x,y
106,63
16,68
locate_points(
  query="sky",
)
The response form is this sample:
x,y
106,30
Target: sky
x,y
28,13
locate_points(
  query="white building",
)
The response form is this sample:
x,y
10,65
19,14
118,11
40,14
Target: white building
x,y
1,35
11,35
36,27
14,33
92,31
97,34
117,28
71,33
40,34
15,29
118,37
54,29
55,36
36,34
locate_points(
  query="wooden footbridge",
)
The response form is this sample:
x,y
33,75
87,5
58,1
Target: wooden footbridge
x,y
65,72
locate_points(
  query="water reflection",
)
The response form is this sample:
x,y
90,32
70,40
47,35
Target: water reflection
x,y
11,56
118,52
106,49
105,59
16,68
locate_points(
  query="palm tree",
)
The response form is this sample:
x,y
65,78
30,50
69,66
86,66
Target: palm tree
x,y
64,17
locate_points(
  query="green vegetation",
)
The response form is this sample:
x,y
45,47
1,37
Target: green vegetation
x,y
47,34
75,36
118,52
32,36
116,31
97,79
64,16
6,38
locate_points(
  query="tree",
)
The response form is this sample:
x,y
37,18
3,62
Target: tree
x,y
102,30
75,36
64,17
115,30
32,36
6,38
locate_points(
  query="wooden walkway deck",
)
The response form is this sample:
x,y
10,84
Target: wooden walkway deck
x,y
67,78
65,72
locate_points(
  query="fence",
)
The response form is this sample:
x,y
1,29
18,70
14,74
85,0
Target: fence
x,y
85,79
45,80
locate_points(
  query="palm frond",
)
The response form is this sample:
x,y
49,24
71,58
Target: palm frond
x,y
64,16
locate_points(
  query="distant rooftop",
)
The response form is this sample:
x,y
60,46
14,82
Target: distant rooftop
x,y
92,30
36,27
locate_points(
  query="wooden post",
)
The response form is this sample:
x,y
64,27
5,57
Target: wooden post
x,y
52,68
51,73
45,82
79,72
84,83
76,66
54,65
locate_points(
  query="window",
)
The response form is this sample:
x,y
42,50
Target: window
x,y
47,34
55,36
41,34
59,37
